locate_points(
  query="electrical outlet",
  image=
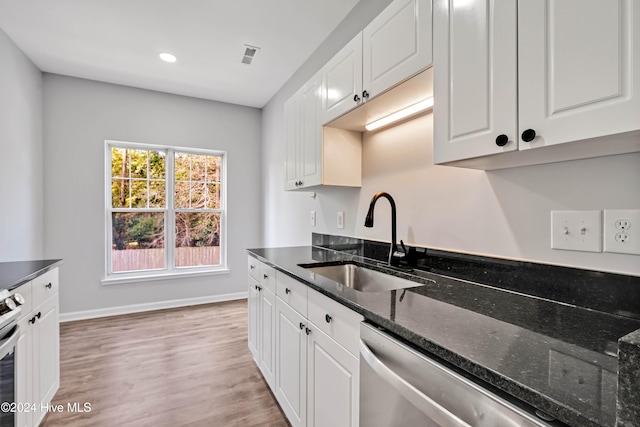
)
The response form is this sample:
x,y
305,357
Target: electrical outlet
x,y
622,231
312,218
340,219
576,230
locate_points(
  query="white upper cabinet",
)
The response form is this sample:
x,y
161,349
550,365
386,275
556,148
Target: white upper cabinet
x,y
317,156
511,76
303,136
396,45
579,69
342,81
475,86
393,47
292,122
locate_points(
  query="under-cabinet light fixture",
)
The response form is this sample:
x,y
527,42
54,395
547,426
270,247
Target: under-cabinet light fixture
x,y
399,115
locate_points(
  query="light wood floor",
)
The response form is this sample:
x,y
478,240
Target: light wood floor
x,y
179,367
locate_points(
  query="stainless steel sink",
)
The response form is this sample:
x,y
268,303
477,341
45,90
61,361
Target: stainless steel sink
x,y
361,278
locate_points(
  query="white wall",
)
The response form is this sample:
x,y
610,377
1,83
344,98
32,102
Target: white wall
x,y
21,155
79,115
501,213
284,224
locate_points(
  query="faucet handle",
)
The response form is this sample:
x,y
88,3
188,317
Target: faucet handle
x,y
400,254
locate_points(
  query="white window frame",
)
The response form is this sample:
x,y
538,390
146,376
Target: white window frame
x,y
170,271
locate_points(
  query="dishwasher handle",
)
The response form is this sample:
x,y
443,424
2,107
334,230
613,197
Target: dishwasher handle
x,y
417,398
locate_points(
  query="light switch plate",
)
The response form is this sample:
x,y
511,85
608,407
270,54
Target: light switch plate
x,y
622,231
340,220
312,219
576,230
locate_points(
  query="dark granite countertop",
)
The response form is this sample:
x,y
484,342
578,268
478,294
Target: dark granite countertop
x,y
14,274
557,357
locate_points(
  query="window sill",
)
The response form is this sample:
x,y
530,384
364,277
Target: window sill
x,y
117,280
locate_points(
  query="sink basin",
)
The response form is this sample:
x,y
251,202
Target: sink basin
x,y
360,278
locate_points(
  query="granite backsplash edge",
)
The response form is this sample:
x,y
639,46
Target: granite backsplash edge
x,y
616,294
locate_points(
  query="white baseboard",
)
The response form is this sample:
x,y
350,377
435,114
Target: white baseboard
x,y
139,308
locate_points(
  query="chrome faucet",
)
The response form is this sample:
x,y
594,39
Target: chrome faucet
x,y
395,256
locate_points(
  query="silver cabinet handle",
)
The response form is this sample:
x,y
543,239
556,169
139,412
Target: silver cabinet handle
x,y
420,400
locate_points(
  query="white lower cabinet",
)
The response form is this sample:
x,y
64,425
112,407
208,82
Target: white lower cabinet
x,y
253,317
316,376
38,348
46,354
24,362
291,363
261,317
267,352
333,379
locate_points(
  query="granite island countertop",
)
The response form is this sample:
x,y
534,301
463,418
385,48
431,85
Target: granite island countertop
x,y
556,357
16,273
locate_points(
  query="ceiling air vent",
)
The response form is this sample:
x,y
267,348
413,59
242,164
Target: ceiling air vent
x,y
249,53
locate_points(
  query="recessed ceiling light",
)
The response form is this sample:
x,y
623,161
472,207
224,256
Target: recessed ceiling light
x,y
167,57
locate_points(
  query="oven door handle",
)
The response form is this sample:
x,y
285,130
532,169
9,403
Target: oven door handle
x,y
424,403
9,342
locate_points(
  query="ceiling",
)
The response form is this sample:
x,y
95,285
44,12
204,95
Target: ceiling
x,y
118,41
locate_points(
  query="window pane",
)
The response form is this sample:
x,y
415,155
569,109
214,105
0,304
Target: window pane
x,y
198,167
139,193
181,198
138,163
157,168
130,185
138,241
197,239
120,193
202,172
157,194
183,167
213,169
213,196
119,167
197,195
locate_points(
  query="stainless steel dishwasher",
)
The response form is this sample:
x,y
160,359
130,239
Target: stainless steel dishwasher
x,y
400,387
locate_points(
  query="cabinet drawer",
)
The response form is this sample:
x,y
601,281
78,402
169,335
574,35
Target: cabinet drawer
x,y
292,292
44,287
253,267
339,322
25,291
268,277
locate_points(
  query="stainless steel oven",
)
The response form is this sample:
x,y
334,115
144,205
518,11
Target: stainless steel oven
x,y
9,333
400,386
7,377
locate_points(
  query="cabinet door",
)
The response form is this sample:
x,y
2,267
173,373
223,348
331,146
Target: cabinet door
x,y
333,379
46,353
267,336
475,88
342,81
292,108
311,141
253,313
396,45
579,69
24,363
291,363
